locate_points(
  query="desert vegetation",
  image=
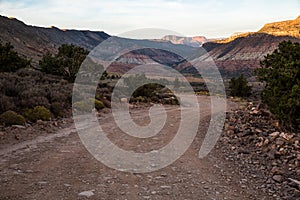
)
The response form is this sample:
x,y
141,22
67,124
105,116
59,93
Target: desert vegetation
x,y
151,91
10,61
65,63
28,94
281,73
239,87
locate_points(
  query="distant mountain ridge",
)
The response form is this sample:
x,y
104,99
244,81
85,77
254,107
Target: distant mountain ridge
x,y
196,41
284,28
240,54
243,54
33,42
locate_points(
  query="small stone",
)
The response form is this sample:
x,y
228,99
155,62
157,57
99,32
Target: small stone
x,y
165,187
42,182
274,134
258,130
39,122
285,136
206,187
88,193
230,128
277,178
254,112
164,174
279,142
266,141
18,126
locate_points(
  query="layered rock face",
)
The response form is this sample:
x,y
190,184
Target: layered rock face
x,y
244,54
285,28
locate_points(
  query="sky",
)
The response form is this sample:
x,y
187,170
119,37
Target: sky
x,y
210,18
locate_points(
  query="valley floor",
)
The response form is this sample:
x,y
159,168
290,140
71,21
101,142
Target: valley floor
x,y
57,166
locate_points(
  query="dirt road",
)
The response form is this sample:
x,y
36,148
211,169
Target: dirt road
x,y
58,166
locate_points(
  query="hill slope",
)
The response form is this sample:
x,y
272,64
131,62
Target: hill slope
x,y
33,42
241,55
284,28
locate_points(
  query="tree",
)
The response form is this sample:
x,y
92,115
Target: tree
x,y
239,87
50,64
10,61
281,73
65,63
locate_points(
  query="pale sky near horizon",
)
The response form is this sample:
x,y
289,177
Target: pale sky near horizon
x,y
211,18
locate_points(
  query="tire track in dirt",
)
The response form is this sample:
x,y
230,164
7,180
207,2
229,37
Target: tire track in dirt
x,y
59,167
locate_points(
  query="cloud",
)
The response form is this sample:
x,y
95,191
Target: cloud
x,y
211,18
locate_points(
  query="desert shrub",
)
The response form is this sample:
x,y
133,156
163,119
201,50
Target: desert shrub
x,y
83,106
11,118
88,105
140,99
105,101
58,109
26,72
34,101
27,88
38,113
7,103
50,64
65,63
147,90
239,87
10,61
281,73
98,104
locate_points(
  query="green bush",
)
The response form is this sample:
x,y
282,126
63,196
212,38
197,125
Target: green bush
x,y
83,106
11,118
38,113
239,87
65,63
88,105
281,73
58,109
10,61
98,104
140,99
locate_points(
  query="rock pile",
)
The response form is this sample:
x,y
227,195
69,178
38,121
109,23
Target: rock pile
x,y
253,132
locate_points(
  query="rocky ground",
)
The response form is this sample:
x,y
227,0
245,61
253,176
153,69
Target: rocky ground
x,y
16,134
252,160
256,143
